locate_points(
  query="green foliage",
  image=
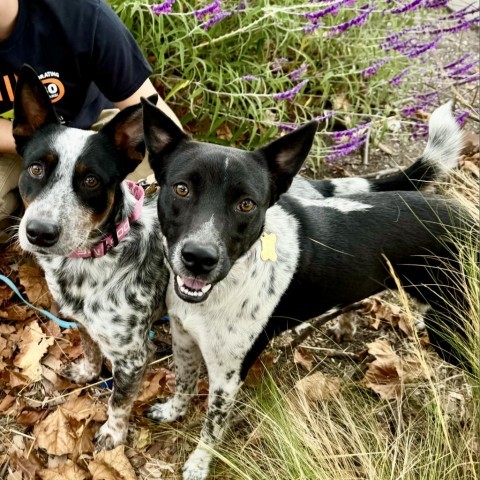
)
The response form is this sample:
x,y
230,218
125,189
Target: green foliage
x,y
200,72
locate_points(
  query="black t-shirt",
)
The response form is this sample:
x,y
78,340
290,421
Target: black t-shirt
x,y
81,51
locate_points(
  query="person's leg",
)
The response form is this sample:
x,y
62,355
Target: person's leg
x,y
10,169
143,170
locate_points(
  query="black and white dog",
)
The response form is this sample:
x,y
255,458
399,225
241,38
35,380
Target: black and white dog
x,y
248,260
100,242
96,238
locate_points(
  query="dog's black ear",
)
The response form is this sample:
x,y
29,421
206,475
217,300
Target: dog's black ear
x,y
284,157
32,107
162,134
125,131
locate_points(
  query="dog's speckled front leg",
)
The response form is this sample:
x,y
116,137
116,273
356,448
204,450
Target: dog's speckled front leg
x,y
128,370
224,386
88,367
187,365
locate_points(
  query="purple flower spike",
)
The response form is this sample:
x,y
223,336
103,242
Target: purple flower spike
x,y
398,79
332,9
290,94
248,78
350,133
436,3
457,62
354,22
346,148
276,65
472,78
413,5
209,9
215,19
298,73
420,49
161,8
461,117
373,69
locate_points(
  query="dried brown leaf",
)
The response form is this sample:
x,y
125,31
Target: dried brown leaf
x,y
318,386
67,471
257,370
30,417
83,407
32,279
388,374
55,435
304,358
155,385
33,346
16,312
112,465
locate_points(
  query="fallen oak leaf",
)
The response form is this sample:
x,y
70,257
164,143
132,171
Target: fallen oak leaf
x,y
111,465
67,471
155,385
33,346
83,407
55,435
317,387
16,312
388,373
304,358
33,281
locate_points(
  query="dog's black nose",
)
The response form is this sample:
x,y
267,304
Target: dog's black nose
x,y
42,232
199,258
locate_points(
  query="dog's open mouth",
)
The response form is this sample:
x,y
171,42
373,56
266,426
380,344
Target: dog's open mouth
x,y
192,289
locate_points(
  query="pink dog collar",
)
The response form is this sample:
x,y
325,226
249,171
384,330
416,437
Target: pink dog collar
x,y
121,231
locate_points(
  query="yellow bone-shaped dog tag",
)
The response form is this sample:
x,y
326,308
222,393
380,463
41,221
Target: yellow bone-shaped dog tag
x,y
268,247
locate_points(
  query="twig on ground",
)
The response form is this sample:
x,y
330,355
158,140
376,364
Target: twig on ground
x,y
331,352
365,149
318,322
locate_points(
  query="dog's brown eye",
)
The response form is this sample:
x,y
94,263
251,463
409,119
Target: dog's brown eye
x,y
181,189
36,170
246,205
91,181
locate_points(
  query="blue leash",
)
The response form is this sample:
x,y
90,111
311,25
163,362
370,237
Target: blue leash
x,y
49,315
60,322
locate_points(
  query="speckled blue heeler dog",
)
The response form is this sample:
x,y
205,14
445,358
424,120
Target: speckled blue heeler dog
x,y
99,246
248,261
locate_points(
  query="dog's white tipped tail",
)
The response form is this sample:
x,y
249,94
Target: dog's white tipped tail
x,y
444,140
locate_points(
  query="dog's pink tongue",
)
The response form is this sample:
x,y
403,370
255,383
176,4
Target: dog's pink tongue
x,y
193,284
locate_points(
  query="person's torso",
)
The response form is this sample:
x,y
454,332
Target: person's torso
x,y
56,39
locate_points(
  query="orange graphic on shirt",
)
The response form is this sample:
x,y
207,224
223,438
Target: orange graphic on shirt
x,y
54,88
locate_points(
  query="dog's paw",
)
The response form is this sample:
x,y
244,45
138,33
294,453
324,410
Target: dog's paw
x,y
107,438
80,371
197,466
165,412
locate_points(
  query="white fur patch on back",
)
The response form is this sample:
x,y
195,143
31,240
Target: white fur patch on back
x,y
341,204
303,189
350,186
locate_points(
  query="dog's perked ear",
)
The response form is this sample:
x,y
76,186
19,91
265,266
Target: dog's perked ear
x,y
284,157
125,131
162,134
32,107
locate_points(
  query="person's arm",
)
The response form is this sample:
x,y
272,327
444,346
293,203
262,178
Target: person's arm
x,y
146,90
7,142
